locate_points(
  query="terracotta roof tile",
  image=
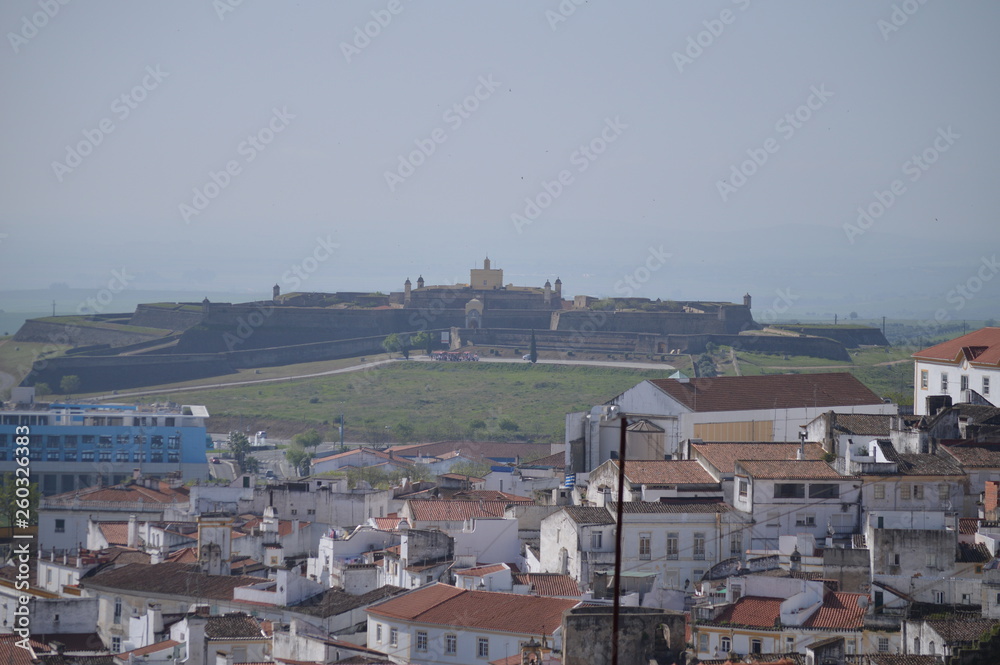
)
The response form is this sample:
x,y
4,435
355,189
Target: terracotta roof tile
x,y
479,450
429,510
116,533
485,610
961,630
772,391
170,578
752,611
333,601
968,525
589,515
671,507
774,469
479,571
129,492
840,611
980,347
491,495
666,472
724,456
233,625
557,461
863,424
978,455
152,648
549,584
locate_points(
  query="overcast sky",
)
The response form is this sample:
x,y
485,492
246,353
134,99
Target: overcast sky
x,y
690,150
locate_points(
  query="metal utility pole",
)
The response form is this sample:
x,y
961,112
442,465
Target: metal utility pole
x,y
616,611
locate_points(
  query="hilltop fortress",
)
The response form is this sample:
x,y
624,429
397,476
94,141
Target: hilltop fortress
x,y
166,342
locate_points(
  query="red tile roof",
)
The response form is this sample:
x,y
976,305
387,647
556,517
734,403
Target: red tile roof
x,y
390,522
775,469
548,584
840,611
752,611
773,391
429,510
666,472
479,571
128,493
980,347
724,456
116,533
484,610
968,525
152,648
358,451
479,450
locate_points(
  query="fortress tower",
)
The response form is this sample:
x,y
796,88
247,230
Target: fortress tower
x,y
486,279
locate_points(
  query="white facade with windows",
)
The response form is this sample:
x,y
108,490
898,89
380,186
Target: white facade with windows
x,y
957,368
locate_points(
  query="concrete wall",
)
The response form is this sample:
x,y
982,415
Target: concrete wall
x,y
37,330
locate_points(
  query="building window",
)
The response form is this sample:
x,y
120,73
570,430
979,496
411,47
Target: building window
x,y
703,642
735,546
986,385
924,379
725,644
104,441
393,636
596,539
421,640
672,548
918,491
104,456
116,645
118,610
60,526
52,455
69,456
879,491
483,647
451,644
883,645
645,548
744,486
123,439
944,492
378,633
87,456
699,546
52,442
70,441
824,491
173,457
756,646
944,382
805,519
121,455
904,491
789,644
789,491
155,457
939,597
963,382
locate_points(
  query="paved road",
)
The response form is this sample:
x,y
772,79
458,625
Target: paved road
x,y
377,363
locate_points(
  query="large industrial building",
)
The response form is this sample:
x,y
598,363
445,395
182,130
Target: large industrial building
x,y
73,446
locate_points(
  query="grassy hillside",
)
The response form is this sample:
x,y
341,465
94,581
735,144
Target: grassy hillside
x,y
424,401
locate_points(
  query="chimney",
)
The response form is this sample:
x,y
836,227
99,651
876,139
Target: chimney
x,y
801,454
133,532
136,474
154,622
991,497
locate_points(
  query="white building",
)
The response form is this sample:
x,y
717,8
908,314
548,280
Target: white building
x,y
789,497
957,369
726,408
444,625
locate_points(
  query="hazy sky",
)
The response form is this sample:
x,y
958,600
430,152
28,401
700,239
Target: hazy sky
x,y
662,149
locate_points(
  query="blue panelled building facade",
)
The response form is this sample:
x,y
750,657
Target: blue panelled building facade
x,y
73,446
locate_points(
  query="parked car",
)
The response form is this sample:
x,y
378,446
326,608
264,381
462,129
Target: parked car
x,y
215,460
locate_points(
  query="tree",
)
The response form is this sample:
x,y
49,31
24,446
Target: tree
x,y
392,343
533,351
375,434
42,389
299,458
308,439
239,444
423,340
853,315
69,384
250,464
404,432
15,496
